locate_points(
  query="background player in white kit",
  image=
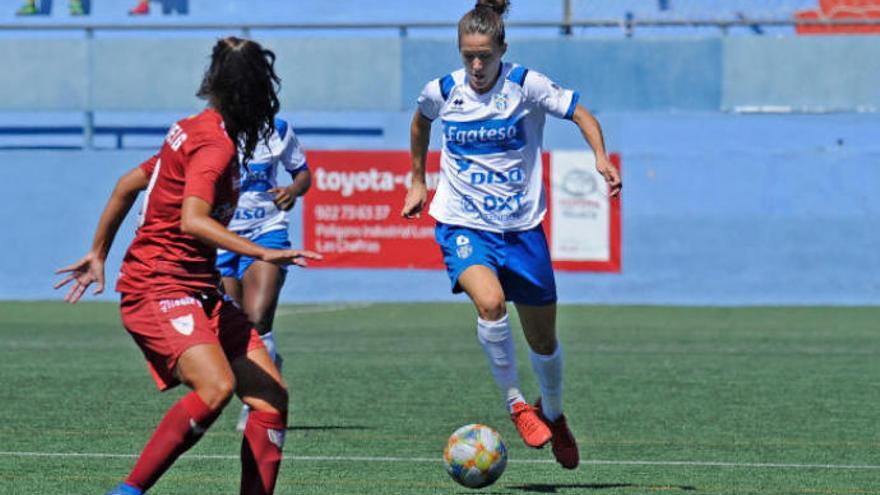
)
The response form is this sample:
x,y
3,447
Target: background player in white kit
x,y
261,216
490,204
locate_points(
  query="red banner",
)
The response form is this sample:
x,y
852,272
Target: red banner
x,y
352,212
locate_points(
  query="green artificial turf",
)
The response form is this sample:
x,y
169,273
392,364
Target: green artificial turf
x,y
662,400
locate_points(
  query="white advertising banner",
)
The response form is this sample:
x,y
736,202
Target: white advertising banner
x,y
584,221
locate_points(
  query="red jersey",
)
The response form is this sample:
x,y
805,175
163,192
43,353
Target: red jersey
x,y
197,159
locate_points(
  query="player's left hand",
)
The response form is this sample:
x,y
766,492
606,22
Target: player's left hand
x,y
611,175
284,198
83,273
299,257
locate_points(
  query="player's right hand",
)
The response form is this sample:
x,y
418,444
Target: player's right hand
x,y
415,201
297,257
88,270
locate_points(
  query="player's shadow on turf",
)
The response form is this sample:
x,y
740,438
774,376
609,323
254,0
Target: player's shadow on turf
x,y
565,487
328,428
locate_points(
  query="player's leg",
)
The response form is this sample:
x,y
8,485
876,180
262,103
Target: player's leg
x,y
471,258
261,285
481,284
545,354
232,288
261,387
529,280
175,336
493,331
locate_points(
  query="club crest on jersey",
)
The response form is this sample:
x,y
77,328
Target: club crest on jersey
x,y
500,101
464,248
184,324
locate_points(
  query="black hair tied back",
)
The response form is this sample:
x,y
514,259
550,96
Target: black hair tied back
x,y
242,86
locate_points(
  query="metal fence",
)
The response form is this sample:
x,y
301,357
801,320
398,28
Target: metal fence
x,y
564,28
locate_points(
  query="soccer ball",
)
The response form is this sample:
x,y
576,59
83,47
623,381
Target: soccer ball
x,y
475,456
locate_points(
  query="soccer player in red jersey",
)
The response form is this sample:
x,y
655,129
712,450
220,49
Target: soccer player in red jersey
x,y
170,301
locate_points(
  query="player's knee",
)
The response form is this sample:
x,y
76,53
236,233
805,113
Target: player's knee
x,y
275,399
545,347
492,308
218,392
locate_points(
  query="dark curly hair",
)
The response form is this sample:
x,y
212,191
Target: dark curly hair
x,y
242,86
487,17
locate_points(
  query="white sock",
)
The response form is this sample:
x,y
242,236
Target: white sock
x,y
548,370
497,342
269,342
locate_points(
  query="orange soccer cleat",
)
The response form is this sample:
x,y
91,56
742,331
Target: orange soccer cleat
x,y
530,427
565,448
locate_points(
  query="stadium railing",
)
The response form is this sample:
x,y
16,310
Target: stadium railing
x,y
628,24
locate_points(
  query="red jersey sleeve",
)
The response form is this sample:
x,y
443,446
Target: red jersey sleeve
x,y
149,165
204,167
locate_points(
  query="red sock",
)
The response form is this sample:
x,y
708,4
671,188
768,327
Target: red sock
x,y
179,430
261,452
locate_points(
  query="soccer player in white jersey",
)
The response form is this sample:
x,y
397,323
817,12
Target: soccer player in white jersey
x,y
489,206
261,216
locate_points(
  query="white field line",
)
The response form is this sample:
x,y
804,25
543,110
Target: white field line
x,y
324,308
597,462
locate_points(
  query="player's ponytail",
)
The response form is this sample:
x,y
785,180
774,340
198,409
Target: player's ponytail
x,y
499,6
242,86
487,17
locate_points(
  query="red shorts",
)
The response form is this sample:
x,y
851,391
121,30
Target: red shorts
x,y
164,326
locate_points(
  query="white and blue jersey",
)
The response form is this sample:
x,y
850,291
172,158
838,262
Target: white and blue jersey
x,y
490,165
256,213
256,216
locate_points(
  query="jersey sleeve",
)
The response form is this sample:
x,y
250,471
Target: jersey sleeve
x,y
293,157
205,165
149,165
549,96
431,100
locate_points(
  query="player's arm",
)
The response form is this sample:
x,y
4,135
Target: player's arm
x,y
592,132
196,220
420,135
90,268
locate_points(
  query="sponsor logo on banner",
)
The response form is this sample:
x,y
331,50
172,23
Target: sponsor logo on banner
x,y
184,324
352,213
580,183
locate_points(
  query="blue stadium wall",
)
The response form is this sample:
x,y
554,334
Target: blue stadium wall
x,y
719,207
